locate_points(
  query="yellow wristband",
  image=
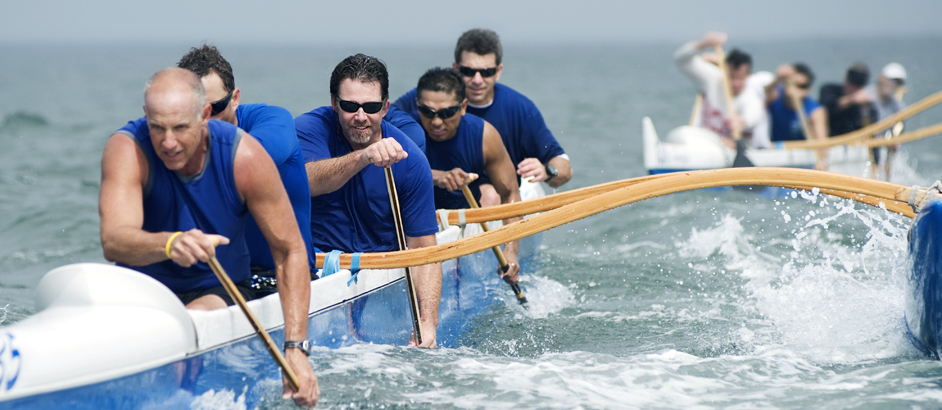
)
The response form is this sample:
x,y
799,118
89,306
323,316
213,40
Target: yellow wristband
x,y
170,242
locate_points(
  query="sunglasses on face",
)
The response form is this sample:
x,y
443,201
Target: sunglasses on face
x,y
352,107
220,105
804,86
470,72
444,113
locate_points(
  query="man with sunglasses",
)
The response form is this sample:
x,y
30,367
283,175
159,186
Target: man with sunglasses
x,y
713,115
459,145
793,83
271,126
534,151
176,190
346,145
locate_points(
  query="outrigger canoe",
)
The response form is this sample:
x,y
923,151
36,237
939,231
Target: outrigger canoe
x,y
106,337
690,148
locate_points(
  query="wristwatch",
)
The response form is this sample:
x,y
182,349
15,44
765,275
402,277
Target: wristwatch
x,y
551,172
303,345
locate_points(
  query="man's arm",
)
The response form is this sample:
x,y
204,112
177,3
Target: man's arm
x,y
328,175
428,286
500,169
532,167
121,209
260,186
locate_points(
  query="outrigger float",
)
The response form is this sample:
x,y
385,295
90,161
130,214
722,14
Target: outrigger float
x,y
108,337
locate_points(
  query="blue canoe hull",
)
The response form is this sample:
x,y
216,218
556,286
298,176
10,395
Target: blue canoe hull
x,y
244,368
924,290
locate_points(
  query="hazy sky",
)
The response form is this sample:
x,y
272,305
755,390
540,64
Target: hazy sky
x,y
430,22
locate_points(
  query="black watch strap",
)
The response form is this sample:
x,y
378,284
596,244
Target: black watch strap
x,y
303,345
551,171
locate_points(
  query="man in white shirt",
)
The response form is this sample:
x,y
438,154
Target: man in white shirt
x,y
749,108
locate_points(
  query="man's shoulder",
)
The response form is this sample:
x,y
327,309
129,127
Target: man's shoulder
x,y
135,128
250,115
321,117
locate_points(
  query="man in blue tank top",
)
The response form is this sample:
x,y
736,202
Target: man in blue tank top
x,y
791,86
346,146
177,184
460,145
533,149
271,126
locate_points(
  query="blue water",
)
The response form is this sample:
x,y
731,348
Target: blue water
x,y
695,300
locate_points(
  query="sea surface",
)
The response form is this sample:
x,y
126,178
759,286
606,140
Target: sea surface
x,y
696,300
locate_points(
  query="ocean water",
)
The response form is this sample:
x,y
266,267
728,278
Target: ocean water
x,y
695,300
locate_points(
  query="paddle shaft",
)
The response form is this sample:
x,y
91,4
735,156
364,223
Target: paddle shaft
x,y
501,260
727,91
401,238
259,330
803,120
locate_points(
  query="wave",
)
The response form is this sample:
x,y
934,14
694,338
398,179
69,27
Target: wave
x,y
22,119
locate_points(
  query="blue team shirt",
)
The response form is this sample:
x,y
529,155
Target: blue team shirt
x,y
515,117
358,217
786,126
273,127
407,124
465,151
208,201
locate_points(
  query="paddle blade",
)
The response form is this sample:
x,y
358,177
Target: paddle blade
x,y
741,160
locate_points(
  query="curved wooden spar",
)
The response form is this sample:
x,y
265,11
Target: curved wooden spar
x,y
666,184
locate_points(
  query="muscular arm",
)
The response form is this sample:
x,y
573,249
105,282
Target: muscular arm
x,y
260,186
120,206
428,284
328,175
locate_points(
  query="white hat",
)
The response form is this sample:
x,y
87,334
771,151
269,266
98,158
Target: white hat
x,y
894,71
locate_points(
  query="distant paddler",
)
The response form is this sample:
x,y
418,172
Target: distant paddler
x,y
460,146
176,183
794,113
889,90
346,145
708,78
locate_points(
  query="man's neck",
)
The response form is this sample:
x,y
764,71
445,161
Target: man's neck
x,y
195,165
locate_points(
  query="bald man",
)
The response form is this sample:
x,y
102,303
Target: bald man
x,y
175,185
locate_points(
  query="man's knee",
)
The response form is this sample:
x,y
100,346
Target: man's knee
x,y
489,196
207,302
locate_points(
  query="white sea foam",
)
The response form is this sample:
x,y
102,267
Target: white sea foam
x,y
826,300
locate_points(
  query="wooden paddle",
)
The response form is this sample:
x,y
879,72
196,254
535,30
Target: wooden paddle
x,y
401,238
259,330
865,190
803,120
697,102
740,160
501,260
865,132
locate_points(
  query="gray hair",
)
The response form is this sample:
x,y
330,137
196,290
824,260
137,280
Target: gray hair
x,y
194,83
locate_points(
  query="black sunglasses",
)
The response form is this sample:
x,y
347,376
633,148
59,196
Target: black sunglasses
x,y
444,113
804,86
352,107
219,106
470,72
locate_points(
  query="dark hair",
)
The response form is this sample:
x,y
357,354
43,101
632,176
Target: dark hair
x,y
363,68
442,79
736,58
206,60
858,74
481,42
802,68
